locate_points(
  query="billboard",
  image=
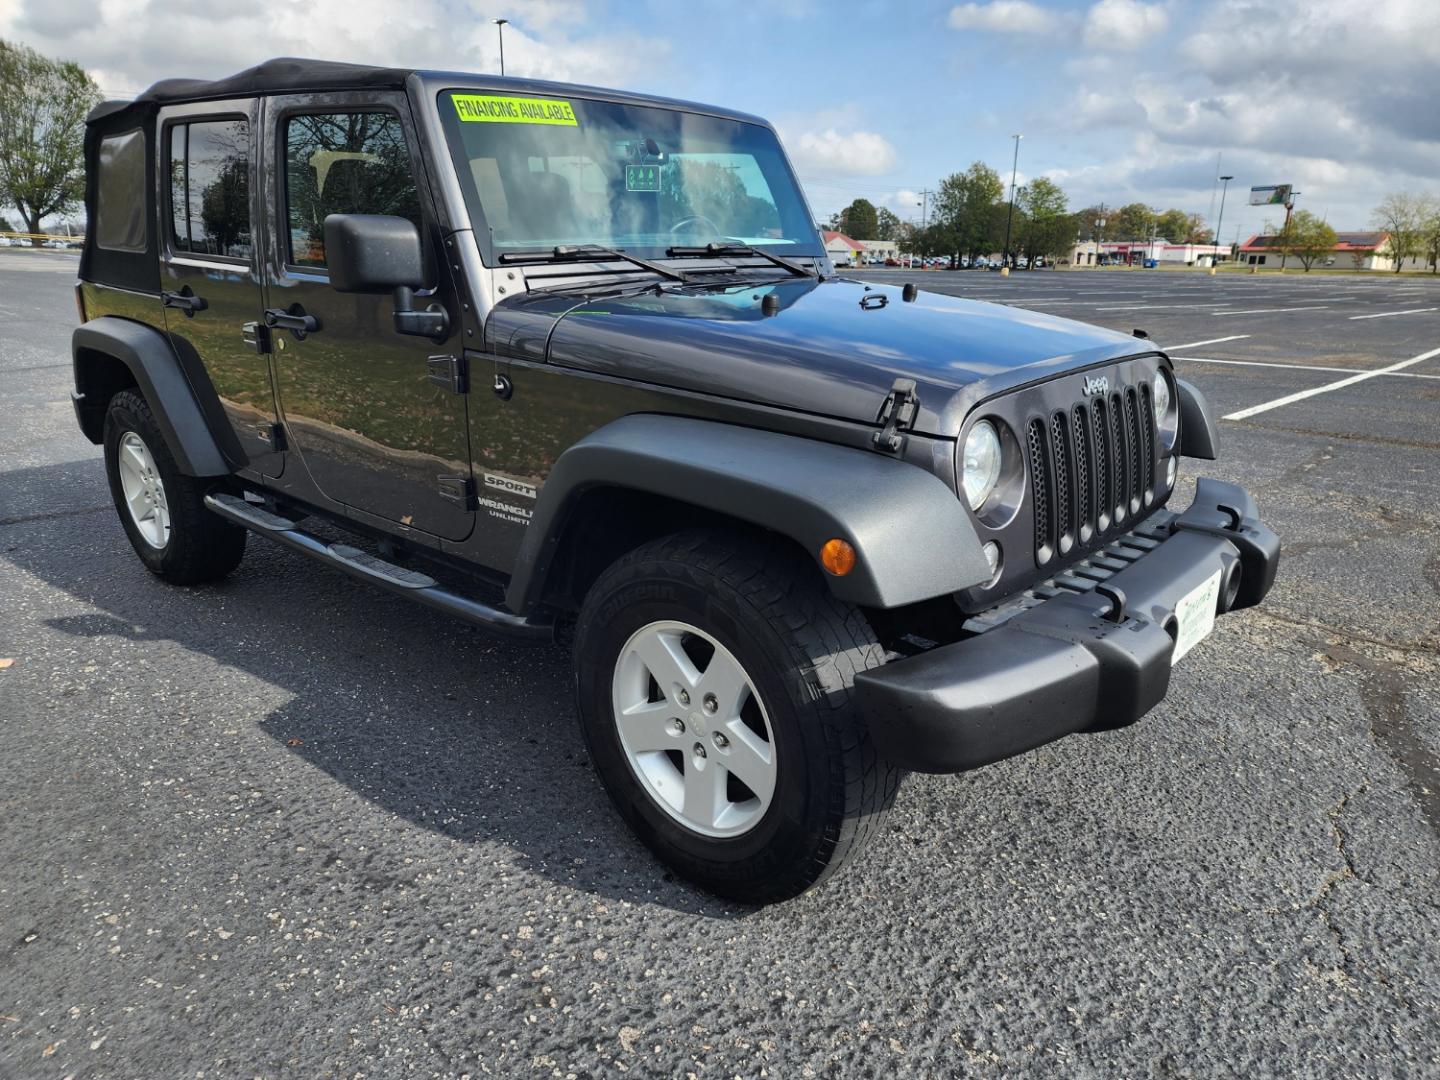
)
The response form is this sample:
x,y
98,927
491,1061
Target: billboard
x,y
1272,195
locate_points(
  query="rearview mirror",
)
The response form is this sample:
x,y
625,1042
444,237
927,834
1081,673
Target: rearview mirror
x,y
377,253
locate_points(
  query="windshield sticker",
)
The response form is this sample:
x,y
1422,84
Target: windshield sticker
x,y
495,109
642,177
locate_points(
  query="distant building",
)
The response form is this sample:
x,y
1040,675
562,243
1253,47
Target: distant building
x,y
1352,251
1137,252
842,250
881,249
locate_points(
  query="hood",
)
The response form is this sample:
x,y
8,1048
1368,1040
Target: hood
x,y
833,348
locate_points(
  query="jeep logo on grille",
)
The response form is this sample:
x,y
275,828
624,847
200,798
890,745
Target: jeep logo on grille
x,y
1096,384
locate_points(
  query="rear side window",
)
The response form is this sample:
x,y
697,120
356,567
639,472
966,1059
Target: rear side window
x,y
343,163
120,193
210,188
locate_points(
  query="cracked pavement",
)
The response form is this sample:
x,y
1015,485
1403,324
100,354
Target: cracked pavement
x,y
288,826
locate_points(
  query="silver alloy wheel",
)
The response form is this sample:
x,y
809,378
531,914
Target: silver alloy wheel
x,y
686,731
144,493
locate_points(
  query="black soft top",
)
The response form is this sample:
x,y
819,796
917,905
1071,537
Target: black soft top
x,y
293,74
273,76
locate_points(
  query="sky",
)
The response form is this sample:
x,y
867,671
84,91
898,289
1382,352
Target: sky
x,y
1118,100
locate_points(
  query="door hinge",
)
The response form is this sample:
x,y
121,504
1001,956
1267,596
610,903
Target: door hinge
x,y
459,490
257,336
451,372
274,435
897,414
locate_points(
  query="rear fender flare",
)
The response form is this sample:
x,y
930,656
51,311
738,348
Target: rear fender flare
x,y
148,355
913,539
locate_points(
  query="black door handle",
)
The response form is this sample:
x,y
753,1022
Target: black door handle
x,y
185,300
293,319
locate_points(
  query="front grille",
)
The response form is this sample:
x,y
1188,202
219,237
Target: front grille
x,y
1092,468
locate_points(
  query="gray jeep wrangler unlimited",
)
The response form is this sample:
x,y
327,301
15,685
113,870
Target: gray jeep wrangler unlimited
x,y
559,357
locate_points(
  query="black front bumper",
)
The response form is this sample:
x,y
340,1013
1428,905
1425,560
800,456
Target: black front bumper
x,y
1076,660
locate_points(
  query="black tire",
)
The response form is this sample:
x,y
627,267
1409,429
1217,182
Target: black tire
x,y
802,649
201,546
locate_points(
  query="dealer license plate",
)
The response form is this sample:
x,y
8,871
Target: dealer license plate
x,y
1195,614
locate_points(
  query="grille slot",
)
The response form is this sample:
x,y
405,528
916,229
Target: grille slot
x,y
1092,468
1135,451
1080,430
1040,489
1064,509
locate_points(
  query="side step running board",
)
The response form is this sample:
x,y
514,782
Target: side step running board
x,y
367,567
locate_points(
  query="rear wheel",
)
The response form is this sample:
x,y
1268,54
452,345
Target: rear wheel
x,y
714,678
163,510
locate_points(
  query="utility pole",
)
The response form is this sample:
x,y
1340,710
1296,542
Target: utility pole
x,y
1010,215
1221,220
1099,232
500,29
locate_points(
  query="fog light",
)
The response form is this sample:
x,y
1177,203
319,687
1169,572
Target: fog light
x,y
992,558
1170,471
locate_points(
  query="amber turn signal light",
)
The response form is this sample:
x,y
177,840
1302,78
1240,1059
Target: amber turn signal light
x,y
838,557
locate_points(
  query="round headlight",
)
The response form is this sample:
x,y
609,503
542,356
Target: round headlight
x,y
980,469
1160,395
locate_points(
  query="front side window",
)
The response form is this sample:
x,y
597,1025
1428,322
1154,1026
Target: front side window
x,y
343,163
210,188
543,172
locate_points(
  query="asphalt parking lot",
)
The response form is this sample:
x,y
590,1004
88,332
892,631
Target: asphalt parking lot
x,y
288,825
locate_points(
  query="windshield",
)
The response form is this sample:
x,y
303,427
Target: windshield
x,y
542,172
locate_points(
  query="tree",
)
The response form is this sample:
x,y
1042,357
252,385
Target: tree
x,y
860,220
1134,222
43,105
1173,225
1402,216
1310,238
1430,234
1047,230
965,204
887,224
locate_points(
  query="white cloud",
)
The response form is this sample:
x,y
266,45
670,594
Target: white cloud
x,y
128,44
1123,24
1005,16
853,153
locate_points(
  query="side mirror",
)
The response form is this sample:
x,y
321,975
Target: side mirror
x,y
376,253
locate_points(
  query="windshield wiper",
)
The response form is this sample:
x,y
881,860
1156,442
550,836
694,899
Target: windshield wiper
x,y
739,249
584,252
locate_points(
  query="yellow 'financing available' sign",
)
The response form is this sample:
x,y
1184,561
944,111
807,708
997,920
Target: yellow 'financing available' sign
x,y
495,109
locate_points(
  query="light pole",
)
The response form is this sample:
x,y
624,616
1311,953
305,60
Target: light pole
x,y
500,29
1099,233
1221,219
1010,216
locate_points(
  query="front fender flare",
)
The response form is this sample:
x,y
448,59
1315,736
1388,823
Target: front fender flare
x,y
912,537
151,359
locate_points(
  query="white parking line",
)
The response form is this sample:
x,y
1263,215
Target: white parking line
x,y
1207,341
1302,367
1255,410
1387,314
1269,310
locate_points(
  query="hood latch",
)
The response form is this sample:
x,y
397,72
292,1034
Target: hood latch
x,y
897,414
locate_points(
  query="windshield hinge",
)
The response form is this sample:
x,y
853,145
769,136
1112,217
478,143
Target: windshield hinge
x,y
897,414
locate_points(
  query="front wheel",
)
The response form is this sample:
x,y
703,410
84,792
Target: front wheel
x,y
714,677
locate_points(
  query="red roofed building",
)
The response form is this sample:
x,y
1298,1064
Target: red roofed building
x,y
1352,251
